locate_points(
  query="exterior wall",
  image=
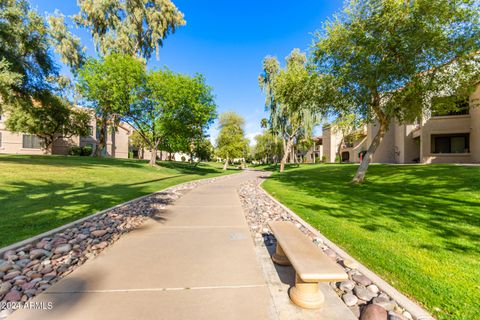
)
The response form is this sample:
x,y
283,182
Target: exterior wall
x,y
386,152
475,125
12,143
409,145
331,140
358,146
117,142
444,125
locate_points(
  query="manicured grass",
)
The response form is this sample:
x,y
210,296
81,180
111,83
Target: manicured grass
x,y
417,226
39,193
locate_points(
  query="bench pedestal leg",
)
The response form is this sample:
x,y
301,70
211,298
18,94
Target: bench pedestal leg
x,y
279,256
306,294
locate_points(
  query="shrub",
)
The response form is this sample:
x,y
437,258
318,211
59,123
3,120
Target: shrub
x,y
80,151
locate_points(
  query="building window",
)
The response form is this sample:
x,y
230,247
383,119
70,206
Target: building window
x,y
31,142
454,143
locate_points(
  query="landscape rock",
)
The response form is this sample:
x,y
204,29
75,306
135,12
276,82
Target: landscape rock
x,y
373,289
38,253
347,285
373,312
98,233
22,263
395,316
384,302
13,295
361,279
8,254
349,299
63,248
4,267
362,293
11,275
5,288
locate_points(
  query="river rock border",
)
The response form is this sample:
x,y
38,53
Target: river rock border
x,y
31,266
364,298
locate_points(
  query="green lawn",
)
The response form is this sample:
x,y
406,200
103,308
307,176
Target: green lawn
x,y
417,226
39,193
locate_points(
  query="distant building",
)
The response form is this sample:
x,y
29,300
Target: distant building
x,y
117,144
314,153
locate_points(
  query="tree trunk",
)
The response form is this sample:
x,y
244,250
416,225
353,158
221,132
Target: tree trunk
x,y
338,151
286,153
362,169
225,166
101,143
153,156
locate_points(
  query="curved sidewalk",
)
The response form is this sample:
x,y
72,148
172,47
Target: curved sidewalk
x,y
194,260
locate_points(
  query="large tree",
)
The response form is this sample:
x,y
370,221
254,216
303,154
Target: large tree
x,y
110,85
290,99
267,149
231,141
137,28
173,111
27,65
391,57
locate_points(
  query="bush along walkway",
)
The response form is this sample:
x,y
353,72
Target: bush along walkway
x,y
359,293
31,268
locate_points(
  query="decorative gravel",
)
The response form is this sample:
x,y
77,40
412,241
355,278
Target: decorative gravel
x,y
31,269
359,293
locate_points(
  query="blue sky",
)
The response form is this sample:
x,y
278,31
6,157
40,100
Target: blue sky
x,y
226,41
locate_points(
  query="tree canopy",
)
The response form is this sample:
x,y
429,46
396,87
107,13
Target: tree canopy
x,y
290,99
231,141
110,85
173,112
137,28
26,64
389,58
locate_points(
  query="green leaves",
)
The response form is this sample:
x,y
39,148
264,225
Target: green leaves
x,y
231,141
111,84
136,28
377,48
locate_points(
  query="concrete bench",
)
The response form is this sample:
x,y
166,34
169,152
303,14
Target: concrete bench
x,y
310,264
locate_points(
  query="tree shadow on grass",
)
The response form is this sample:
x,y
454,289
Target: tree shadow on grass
x,y
431,199
28,209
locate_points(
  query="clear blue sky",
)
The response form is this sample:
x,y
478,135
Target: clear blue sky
x,y
226,41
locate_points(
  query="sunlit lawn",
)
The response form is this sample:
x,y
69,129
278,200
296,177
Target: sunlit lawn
x,y
417,226
39,193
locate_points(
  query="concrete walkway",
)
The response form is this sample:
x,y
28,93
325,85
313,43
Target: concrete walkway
x,y
195,260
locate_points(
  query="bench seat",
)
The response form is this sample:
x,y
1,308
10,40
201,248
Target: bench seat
x,y
310,263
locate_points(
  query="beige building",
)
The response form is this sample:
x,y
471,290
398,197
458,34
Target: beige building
x,y
439,138
17,143
350,150
314,153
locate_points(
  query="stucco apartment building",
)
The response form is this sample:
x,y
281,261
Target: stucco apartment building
x,y
15,143
439,138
